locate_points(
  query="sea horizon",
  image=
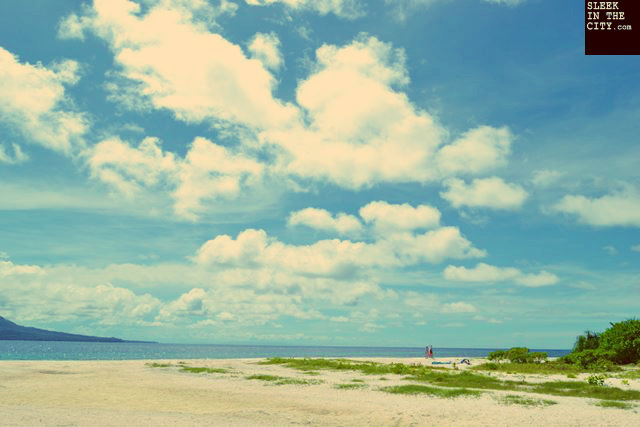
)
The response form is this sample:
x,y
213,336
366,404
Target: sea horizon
x,y
65,350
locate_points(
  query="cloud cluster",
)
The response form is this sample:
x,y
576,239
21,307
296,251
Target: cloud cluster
x,y
208,171
620,208
492,193
33,102
488,273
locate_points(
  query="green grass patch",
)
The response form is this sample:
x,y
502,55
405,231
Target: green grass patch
x,y
548,368
282,380
614,404
158,365
514,399
350,386
357,380
469,379
431,391
580,389
366,367
633,374
200,370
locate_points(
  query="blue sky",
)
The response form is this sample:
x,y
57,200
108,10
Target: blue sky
x,y
389,173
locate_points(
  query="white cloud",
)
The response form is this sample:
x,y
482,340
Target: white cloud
x,y
126,168
544,278
545,177
618,209
265,47
208,171
391,217
458,307
488,273
361,130
321,219
18,155
335,258
349,9
492,193
33,101
210,80
480,273
635,248
611,250
8,268
477,151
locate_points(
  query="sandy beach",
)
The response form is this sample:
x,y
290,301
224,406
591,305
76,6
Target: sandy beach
x,y
132,393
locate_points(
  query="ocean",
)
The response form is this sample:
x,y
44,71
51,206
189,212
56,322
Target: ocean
x,y
59,350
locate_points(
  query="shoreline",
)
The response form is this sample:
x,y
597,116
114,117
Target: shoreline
x,y
133,393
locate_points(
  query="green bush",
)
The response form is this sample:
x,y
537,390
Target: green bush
x,y
518,355
597,359
623,339
588,341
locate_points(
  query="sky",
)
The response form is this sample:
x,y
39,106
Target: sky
x,y
330,172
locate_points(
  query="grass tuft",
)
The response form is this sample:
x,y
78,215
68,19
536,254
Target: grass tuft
x,y
513,399
614,404
158,365
200,370
350,386
282,380
431,391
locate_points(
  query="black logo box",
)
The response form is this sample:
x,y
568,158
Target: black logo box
x,y
612,27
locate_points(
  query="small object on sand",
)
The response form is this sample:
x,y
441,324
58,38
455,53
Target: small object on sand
x,y
435,362
465,361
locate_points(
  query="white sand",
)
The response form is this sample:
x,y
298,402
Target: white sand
x,y
129,393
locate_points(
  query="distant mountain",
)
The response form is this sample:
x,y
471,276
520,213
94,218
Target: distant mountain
x,y
11,331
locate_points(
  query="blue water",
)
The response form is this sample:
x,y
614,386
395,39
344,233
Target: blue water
x,y
57,350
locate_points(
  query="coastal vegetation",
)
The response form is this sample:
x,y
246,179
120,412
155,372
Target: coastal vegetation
x,y
514,399
282,380
618,345
432,391
445,378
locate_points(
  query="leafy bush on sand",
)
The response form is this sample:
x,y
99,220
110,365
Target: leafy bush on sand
x,y
518,355
600,352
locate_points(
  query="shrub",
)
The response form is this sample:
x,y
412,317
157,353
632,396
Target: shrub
x,y
588,341
517,355
597,359
596,379
623,339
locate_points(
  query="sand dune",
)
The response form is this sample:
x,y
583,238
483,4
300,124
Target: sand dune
x,y
131,393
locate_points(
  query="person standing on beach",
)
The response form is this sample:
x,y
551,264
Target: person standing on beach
x,y
430,351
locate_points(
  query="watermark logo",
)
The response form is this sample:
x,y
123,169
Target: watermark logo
x,y
612,27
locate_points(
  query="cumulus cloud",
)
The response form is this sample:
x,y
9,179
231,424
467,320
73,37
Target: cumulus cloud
x,y
208,171
620,208
635,248
491,193
361,129
221,85
322,219
488,273
477,151
349,9
265,47
253,248
33,102
392,217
